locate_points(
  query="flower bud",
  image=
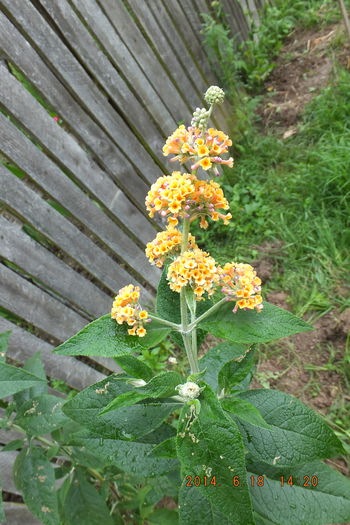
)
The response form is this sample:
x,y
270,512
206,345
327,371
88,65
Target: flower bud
x,y
172,360
189,390
214,95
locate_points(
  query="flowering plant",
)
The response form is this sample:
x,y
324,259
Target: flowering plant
x,y
227,454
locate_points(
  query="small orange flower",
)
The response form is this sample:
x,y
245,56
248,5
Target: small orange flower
x,y
191,144
196,269
240,283
126,309
166,243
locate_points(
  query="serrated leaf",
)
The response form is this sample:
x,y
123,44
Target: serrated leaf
x,y
161,385
234,372
209,445
326,502
298,434
244,410
35,477
82,503
134,367
41,415
4,341
252,326
196,509
35,366
105,337
216,358
13,380
134,458
123,423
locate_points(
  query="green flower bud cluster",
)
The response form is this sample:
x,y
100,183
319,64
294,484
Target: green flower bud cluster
x,y
214,95
200,118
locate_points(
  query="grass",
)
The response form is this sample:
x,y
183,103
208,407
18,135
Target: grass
x,y
296,192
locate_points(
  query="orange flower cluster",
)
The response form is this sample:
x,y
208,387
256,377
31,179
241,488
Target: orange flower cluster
x,y
183,195
166,243
196,269
203,150
126,309
240,283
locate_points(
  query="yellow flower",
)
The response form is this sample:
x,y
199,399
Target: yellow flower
x,y
191,144
126,309
205,163
166,243
184,195
240,283
196,269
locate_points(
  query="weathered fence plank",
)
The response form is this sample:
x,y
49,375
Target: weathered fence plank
x,y
124,60
73,75
143,54
17,147
104,72
7,460
23,345
158,36
69,153
51,271
18,50
31,208
42,310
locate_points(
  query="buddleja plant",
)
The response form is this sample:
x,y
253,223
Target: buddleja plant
x,y
228,454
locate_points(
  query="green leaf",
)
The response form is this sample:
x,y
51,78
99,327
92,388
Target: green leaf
x,y
41,415
327,502
123,423
233,373
105,337
209,445
35,477
168,307
4,341
163,516
252,326
162,385
166,449
297,433
134,367
16,444
244,410
131,457
83,504
196,509
35,366
13,380
216,358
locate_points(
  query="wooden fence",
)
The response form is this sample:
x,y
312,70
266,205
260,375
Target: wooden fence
x,y
119,75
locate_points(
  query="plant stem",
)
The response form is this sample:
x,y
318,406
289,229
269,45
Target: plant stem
x,y
165,322
194,323
187,339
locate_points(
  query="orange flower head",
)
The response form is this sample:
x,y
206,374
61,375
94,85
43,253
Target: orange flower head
x,y
166,243
195,145
184,195
126,309
196,269
240,283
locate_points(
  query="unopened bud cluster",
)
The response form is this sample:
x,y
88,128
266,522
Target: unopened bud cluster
x,y
200,118
214,95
